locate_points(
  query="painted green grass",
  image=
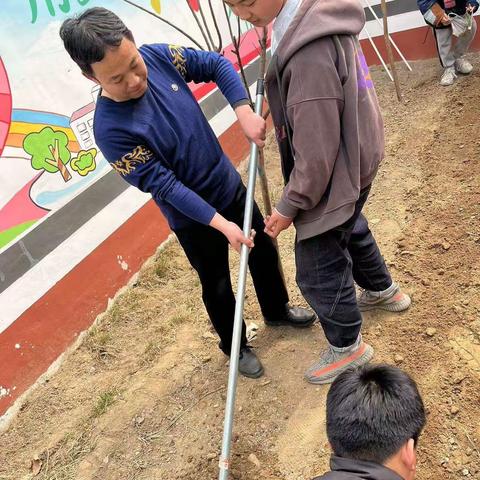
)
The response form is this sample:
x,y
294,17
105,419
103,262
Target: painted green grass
x,y
8,235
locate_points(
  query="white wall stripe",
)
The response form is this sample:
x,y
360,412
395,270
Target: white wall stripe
x,y
44,275
376,2
397,23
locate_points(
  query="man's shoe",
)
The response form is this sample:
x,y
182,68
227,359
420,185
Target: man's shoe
x,y
294,316
448,77
392,299
463,66
334,361
248,364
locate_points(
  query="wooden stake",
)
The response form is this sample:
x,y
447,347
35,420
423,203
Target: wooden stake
x,y
389,50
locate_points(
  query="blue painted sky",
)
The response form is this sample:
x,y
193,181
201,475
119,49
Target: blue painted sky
x,y
21,12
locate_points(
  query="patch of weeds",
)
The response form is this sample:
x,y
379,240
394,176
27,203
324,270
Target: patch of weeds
x,y
161,266
104,402
61,462
193,307
178,319
99,342
151,353
115,313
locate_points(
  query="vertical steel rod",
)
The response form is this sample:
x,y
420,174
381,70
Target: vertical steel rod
x,y
224,462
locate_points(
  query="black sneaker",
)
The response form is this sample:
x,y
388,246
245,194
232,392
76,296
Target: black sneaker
x,y
248,363
298,317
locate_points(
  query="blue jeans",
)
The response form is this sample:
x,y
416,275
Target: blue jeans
x,y
327,266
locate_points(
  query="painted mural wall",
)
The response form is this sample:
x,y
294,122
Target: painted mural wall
x,y
47,150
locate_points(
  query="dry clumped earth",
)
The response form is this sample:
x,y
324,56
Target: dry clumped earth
x,y
143,397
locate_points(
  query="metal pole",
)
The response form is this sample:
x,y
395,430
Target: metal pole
x,y
224,462
389,36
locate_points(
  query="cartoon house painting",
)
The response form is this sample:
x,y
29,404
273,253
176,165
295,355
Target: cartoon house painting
x,y
81,122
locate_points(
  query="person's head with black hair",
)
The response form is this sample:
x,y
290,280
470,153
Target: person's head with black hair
x,y
104,48
375,413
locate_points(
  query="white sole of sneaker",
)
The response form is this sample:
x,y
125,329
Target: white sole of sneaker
x,y
362,360
395,307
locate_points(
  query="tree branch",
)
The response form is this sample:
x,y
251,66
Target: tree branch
x,y
236,51
210,39
215,23
167,22
389,51
199,25
240,62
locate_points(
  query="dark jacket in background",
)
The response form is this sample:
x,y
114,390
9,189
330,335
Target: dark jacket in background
x,y
349,469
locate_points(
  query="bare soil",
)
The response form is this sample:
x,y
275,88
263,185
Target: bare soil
x,y
143,397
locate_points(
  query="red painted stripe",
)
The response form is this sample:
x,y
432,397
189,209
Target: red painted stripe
x,y
47,328
51,325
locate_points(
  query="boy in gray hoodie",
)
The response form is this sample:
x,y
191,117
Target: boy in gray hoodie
x,y
330,135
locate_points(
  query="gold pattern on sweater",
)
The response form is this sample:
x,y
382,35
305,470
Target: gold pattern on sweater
x,y
129,162
178,59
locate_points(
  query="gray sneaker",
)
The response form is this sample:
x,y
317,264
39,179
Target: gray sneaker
x,y
334,361
448,77
248,364
462,65
392,299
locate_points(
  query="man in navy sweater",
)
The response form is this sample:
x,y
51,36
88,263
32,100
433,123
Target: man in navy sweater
x,y
151,129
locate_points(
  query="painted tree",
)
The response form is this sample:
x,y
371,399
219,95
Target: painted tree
x,y
84,162
49,151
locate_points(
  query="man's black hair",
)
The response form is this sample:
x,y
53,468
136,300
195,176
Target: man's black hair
x,y
372,411
88,36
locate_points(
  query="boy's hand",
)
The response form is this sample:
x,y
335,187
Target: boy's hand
x,y
254,126
445,20
440,15
276,223
470,8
